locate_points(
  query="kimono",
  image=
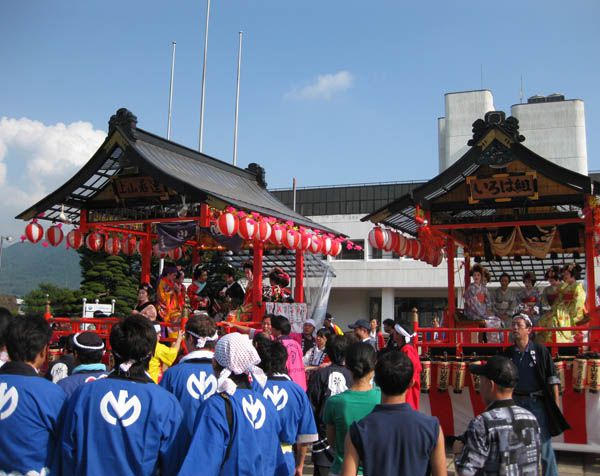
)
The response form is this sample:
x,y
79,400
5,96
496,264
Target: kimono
x,y
253,440
192,382
528,301
125,426
478,306
504,303
568,310
198,296
169,302
82,374
413,394
297,419
31,413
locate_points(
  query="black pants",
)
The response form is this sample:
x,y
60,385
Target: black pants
x,y
321,470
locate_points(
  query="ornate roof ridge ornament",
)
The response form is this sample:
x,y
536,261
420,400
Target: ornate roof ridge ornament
x,y
259,171
126,121
495,135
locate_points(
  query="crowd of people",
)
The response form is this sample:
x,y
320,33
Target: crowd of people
x,y
560,304
257,401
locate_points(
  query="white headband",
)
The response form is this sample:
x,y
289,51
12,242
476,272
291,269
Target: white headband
x,y
400,330
83,346
201,341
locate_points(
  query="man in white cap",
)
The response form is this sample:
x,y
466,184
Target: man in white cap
x,y
237,431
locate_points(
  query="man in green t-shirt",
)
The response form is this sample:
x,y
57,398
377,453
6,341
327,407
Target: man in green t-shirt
x,y
353,404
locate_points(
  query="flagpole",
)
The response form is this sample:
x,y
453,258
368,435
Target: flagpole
x,y
201,132
174,44
237,100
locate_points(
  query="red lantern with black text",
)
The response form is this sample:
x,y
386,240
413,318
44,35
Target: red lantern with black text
x,y
94,241
228,224
75,239
247,228
34,232
54,235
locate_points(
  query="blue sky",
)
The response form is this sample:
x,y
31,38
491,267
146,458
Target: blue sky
x,y
332,91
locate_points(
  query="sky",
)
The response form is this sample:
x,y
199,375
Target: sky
x,y
332,92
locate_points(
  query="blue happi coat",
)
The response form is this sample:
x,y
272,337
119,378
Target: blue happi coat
x,y
121,426
297,419
255,448
192,381
31,411
82,374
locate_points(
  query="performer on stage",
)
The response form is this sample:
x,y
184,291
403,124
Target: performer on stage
x,y
278,291
478,304
529,299
167,296
198,291
144,306
230,297
569,309
504,301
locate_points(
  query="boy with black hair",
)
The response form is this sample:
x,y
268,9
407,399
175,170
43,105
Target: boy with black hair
x,y
31,407
291,403
123,423
280,329
88,349
324,383
395,439
192,380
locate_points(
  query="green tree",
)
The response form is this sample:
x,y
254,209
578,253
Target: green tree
x,y
63,301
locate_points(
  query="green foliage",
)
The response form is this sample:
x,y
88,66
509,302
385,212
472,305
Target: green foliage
x,y
64,302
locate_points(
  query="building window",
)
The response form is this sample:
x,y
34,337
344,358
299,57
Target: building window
x,y
374,253
353,254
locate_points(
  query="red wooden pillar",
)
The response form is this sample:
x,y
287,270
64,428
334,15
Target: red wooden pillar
x,y
204,215
146,252
299,289
83,221
257,281
589,264
450,251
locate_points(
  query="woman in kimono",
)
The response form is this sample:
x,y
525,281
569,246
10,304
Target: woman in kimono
x,y
529,299
478,304
168,296
504,301
569,309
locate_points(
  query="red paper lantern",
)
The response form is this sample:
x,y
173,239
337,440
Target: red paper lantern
x,y
402,248
438,259
228,224
175,254
263,231
326,245
54,235
277,234
75,239
34,232
112,245
336,248
291,239
304,241
392,242
315,244
247,228
94,241
128,245
157,253
378,237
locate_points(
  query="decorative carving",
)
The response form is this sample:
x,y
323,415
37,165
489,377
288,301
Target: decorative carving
x,y
259,171
126,121
510,126
495,147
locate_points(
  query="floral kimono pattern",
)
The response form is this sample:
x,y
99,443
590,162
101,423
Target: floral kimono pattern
x,y
169,302
478,306
504,303
569,310
529,301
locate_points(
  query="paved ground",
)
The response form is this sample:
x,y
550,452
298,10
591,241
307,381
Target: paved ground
x,y
569,464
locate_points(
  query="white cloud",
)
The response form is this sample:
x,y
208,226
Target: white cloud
x,y
324,87
36,158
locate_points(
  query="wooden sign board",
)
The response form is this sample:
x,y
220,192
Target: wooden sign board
x,y
135,187
503,187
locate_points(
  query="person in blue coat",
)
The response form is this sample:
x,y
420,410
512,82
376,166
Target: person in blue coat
x,y
31,407
88,349
292,404
237,430
123,424
192,380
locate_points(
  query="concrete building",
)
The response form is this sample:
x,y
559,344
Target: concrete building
x,y
372,283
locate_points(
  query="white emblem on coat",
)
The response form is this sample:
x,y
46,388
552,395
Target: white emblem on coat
x,y
121,407
201,385
278,396
336,383
91,378
254,411
9,398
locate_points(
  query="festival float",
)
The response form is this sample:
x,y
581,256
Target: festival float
x,y
506,208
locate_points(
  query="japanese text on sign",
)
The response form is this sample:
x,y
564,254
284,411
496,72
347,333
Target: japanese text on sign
x,y
502,187
138,187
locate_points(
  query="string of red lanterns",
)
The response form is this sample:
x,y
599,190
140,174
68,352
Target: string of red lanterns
x,y
428,247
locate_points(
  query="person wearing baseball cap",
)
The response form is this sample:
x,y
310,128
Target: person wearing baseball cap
x,y
88,349
505,438
361,329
